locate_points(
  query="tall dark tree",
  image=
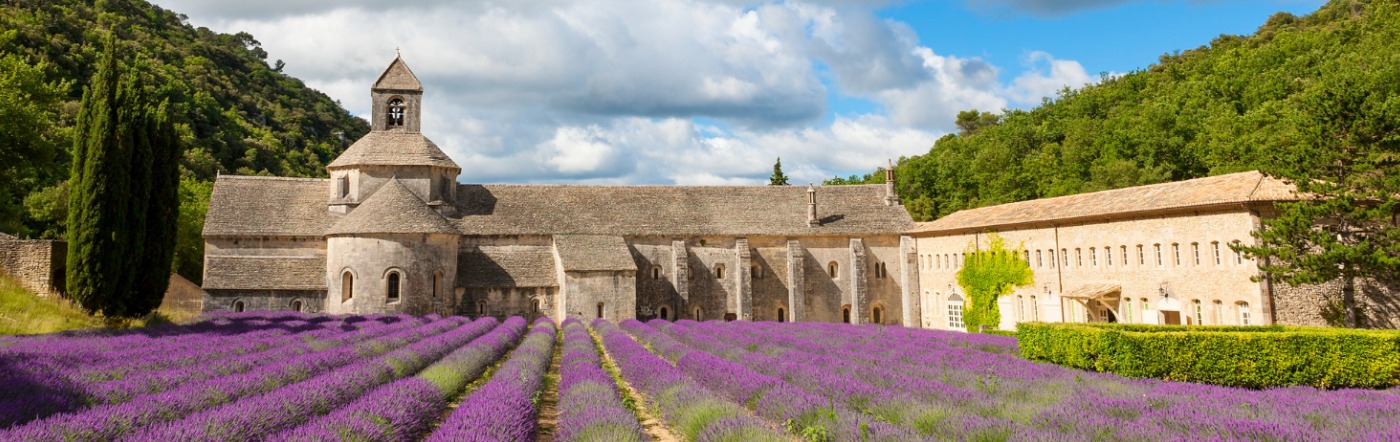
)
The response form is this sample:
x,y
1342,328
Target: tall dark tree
x,y
778,179
1347,166
123,202
97,203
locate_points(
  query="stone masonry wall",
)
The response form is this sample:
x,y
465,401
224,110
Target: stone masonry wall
x,y
37,265
1320,304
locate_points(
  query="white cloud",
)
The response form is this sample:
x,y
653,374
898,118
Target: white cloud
x,y
663,91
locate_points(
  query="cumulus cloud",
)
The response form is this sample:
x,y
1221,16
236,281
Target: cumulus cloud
x,y
664,91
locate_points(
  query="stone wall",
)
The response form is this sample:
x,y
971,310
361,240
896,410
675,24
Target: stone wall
x,y
312,301
1321,304
37,265
182,297
585,292
504,302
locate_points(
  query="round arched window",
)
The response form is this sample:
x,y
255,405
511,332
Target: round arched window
x,y
396,113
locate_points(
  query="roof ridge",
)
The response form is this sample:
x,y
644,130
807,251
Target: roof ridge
x,y
394,208
270,178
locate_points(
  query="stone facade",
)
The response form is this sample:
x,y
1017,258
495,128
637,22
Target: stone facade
x,y
1321,304
392,209
38,265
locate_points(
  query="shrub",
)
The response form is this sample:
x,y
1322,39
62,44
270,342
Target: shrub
x,y
1253,357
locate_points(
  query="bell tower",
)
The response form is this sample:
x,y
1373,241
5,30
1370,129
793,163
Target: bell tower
x,y
398,100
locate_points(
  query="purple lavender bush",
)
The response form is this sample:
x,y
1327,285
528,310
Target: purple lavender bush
x,y
590,407
505,407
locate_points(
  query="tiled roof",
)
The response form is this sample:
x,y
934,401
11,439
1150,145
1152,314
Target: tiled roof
x,y
392,209
398,77
506,267
393,148
267,206
510,209
1219,190
265,272
594,252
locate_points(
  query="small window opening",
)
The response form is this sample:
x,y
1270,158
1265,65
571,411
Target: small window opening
x,y
831,269
699,314
876,315
846,314
600,310
437,283
238,306
481,308
347,286
296,305
782,315
656,272
719,271
342,187
396,112
665,313
393,291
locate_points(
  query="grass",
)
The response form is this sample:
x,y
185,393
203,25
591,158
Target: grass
x,y
24,313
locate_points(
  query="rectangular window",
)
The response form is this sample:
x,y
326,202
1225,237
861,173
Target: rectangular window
x,y
1093,257
1140,259
1128,310
1064,257
1020,309
1035,310
1196,253
1125,256
1244,313
1078,258
1219,313
1038,262
1176,254
1239,257
1108,255
1196,304
955,315
1216,245
1158,249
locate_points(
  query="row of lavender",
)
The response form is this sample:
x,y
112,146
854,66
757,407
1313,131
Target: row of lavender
x,y
936,385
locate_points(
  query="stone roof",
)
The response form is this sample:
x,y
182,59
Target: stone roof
x,y
392,209
393,148
511,209
267,206
263,206
398,77
1231,189
506,267
594,253
265,272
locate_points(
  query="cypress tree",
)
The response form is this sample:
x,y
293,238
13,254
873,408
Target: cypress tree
x,y
97,202
124,198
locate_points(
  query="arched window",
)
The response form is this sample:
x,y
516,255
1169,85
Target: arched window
x,y
846,314
1196,311
1239,257
535,306
600,310
1157,248
1176,254
831,269
1141,260
719,271
955,308
1127,310
756,272
481,308
1035,309
664,313
1219,312
699,314
296,305
1064,258
1093,257
1108,255
396,113
1215,245
1039,262
782,315
1078,258
1244,312
655,272
1020,308
1196,253
393,287
876,314
238,306
347,286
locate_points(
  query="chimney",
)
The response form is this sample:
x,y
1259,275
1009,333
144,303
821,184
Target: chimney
x,y
812,206
891,198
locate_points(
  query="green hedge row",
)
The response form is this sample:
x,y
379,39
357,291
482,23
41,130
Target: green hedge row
x,y
1253,357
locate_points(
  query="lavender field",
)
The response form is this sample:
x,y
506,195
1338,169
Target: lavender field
x,y
301,377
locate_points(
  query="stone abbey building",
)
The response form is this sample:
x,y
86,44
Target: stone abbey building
x,y
392,231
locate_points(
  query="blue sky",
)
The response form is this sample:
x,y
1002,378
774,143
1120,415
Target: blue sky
x,y
712,91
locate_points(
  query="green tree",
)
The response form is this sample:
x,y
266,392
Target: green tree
x,y
970,122
97,204
123,199
189,239
29,151
1345,228
986,276
778,179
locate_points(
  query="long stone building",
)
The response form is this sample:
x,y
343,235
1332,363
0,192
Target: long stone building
x,y
1157,254
392,231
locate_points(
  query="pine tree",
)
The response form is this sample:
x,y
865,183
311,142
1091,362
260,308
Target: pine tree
x,y
778,179
1345,228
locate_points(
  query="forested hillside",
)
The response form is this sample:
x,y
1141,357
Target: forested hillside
x,y
235,111
1241,103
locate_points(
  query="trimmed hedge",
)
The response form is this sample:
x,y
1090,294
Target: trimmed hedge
x,y
1252,357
